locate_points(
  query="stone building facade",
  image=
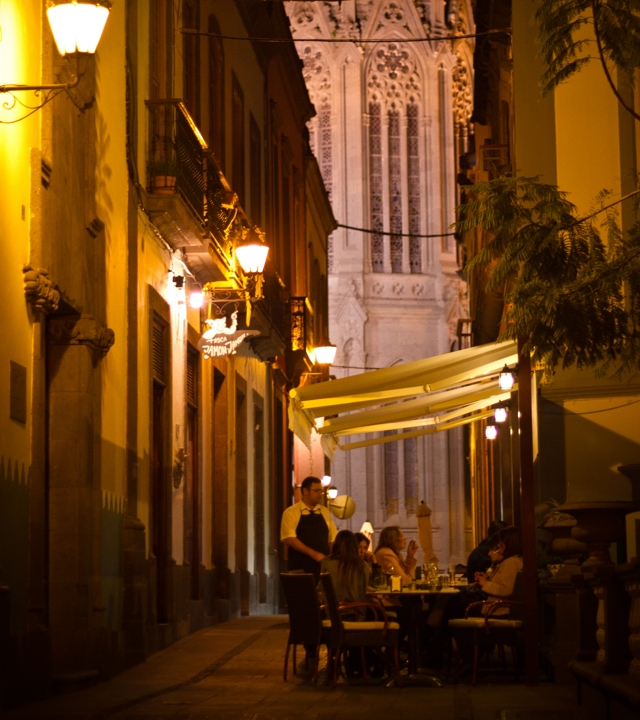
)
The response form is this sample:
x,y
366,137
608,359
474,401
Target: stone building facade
x,y
141,484
392,118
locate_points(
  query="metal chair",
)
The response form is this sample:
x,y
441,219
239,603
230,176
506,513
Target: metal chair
x,y
305,619
487,631
345,634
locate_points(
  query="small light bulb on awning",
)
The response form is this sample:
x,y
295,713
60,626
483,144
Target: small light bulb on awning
x,y
326,480
500,414
506,380
491,432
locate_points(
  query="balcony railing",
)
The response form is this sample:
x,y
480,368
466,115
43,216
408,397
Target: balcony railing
x,y
494,157
177,149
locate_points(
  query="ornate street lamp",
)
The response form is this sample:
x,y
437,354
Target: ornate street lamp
x,y
252,253
325,353
77,27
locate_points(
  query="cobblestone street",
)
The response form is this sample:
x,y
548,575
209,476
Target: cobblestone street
x,y
234,671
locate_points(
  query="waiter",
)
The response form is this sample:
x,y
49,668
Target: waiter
x,y
307,529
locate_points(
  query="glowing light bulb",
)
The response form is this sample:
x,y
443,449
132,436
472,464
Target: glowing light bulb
x,y
332,493
491,432
196,300
326,480
500,414
506,380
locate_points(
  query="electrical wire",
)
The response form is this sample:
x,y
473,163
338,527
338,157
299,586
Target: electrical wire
x,y
430,38
395,234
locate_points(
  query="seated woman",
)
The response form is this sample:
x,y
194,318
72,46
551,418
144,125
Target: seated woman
x,y
349,572
363,548
388,554
506,555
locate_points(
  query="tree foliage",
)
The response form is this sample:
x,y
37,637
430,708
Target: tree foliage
x,y
567,44
574,282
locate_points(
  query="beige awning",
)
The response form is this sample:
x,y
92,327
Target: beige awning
x,y
430,395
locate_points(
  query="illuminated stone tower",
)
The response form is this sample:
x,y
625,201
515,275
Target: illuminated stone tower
x,y
392,117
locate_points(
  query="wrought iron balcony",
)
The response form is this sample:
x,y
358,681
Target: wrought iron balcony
x,y
189,197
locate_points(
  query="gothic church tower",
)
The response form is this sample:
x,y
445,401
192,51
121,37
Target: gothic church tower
x,y
392,117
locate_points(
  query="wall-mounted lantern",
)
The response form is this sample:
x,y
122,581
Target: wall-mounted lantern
x,y
77,27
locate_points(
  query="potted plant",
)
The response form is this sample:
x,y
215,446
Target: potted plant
x,y
162,176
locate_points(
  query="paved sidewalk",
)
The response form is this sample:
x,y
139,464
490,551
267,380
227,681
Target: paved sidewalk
x,y
233,671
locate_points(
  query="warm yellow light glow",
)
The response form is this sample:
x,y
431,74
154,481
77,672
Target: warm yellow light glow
x,y
77,26
506,380
252,255
500,414
196,300
332,493
326,480
325,354
491,432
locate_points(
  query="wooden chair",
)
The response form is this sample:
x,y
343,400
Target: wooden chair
x,y
346,634
489,630
305,618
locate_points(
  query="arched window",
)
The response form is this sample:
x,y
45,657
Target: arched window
x,y
398,154
216,135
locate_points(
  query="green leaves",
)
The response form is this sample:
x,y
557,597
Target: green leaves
x,y
573,32
574,283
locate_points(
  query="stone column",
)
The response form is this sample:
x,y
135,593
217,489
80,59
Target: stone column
x,y
76,345
611,619
629,574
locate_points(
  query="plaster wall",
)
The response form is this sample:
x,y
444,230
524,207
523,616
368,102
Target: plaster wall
x,y
581,138
19,22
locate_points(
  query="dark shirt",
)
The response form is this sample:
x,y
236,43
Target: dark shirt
x,y
479,560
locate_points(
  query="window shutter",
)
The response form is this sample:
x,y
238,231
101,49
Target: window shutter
x,y
192,378
158,363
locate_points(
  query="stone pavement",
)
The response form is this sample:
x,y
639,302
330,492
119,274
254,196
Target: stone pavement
x,y
233,671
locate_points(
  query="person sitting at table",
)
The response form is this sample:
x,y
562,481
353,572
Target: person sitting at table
x,y
506,555
363,548
479,559
388,554
349,572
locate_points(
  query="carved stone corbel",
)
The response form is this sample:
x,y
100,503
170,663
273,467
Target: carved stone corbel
x,y
81,330
39,290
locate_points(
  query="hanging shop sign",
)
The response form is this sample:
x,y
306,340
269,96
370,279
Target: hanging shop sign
x,y
221,340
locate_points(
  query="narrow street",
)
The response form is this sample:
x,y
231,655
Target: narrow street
x,y
234,671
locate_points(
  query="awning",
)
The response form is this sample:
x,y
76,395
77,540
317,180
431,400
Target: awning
x,y
416,398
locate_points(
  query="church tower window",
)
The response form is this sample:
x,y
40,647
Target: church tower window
x,y
413,171
375,192
395,191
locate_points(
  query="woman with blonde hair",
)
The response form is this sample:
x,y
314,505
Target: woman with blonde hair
x,y
389,554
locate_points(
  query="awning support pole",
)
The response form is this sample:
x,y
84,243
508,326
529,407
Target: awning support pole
x,y
527,496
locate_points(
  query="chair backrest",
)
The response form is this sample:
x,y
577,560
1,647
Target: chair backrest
x,y
516,612
301,595
331,601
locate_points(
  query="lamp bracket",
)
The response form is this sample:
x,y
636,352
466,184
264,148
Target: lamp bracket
x,y
48,92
